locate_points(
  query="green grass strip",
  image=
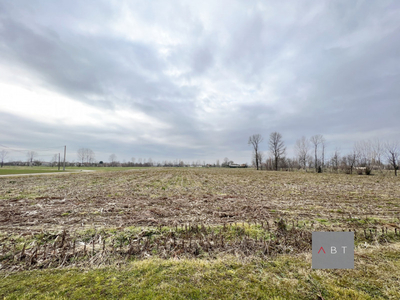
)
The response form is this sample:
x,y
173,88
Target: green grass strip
x,y
376,276
24,171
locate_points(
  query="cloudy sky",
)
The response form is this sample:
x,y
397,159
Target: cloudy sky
x,y
193,80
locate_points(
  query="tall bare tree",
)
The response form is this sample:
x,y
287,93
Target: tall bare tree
x,y
393,154
302,147
85,155
81,154
31,156
255,141
316,140
277,147
3,155
89,155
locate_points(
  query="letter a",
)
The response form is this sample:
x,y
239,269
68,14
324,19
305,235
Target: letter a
x,y
321,249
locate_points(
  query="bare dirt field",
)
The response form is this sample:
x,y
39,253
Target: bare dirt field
x,y
187,213
196,196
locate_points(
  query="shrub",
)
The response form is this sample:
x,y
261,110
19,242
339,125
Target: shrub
x,y
368,171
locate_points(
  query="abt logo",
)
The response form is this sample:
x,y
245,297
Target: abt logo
x,y
333,250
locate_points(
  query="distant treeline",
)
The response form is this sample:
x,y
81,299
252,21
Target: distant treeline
x,y
311,154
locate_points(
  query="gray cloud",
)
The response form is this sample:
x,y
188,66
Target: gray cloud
x,y
213,73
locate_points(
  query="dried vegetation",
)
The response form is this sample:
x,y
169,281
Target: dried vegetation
x,y
107,218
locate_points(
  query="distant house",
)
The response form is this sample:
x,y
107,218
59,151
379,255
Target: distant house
x,y
237,166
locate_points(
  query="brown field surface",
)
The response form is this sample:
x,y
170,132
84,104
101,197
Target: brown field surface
x,y
196,196
86,219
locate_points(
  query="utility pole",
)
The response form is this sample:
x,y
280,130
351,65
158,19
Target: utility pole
x,y
65,154
59,161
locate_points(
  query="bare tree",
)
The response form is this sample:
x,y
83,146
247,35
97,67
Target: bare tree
x,y
112,159
226,162
81,155
302,147
310,161
260,158
54,160
277,147
89,155
393,154
378,149
335,159
92,157
316,140
351,160
31,156
364,153
255,141
291,163
3,155
85,155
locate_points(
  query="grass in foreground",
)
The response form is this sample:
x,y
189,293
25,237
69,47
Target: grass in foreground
x,y
376,275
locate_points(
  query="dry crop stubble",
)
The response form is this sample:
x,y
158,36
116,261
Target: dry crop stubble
x,y
210,196
239,217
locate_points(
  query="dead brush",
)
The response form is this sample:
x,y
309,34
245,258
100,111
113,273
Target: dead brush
x,y
208,242
92,249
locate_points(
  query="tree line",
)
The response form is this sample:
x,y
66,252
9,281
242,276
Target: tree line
x,y
310,154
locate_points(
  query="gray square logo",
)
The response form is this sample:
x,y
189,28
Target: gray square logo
x,y
333,250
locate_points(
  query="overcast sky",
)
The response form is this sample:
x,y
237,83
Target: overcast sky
x,y
194,79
